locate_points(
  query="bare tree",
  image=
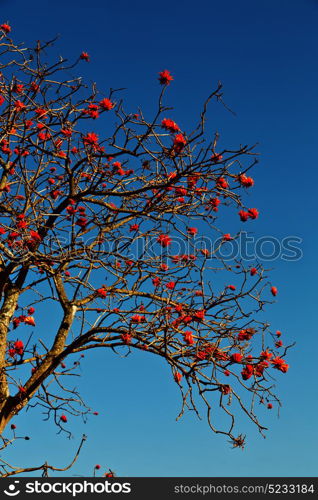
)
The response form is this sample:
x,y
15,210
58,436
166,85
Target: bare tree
x,y
104,225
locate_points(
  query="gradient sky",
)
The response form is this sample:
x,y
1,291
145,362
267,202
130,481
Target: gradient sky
x,y
265,53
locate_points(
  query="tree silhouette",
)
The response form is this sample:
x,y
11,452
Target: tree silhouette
x,y
110,217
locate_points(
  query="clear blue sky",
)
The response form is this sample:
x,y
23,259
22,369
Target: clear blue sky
x,y
265,53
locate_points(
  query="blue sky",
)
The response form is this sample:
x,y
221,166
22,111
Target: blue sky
x,y
265,53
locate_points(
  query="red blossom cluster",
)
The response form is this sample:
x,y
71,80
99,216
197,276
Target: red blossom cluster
x,y
246,334
164,240
251,213
165,77
246,181
170,125
280,364
101,292
5,27
85,56
27,320
17,349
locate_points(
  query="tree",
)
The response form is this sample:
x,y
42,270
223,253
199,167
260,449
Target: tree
x,y
110,229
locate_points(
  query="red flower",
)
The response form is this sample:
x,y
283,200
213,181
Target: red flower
x,y
216,157
101,292
1,100
179,190
246,334
29,320
92,111
97,466
165,77
16,322
253,213
236,357
137,318
19,105
63,418
247,372
260,367
246,181
170,125
178,377
205,252
156,281
44,136
41,113
164,240
231,287
5,27
85,56
126,338
171,285
278,333
71,210
13,235
66,132
13,427
179,142
12,352
269,406
106,104
18,345
134,227
186,319
199,315
280,364
227,237
35,87
227,373
201,355
225,389
188,337
222,183
243,215
214,202
192,231
253,271
279,343
55,194
274,291
193,179
90,139
266,355
35,235
18,348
